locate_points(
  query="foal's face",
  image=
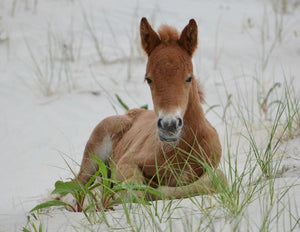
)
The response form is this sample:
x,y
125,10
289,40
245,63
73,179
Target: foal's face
x,y
169,74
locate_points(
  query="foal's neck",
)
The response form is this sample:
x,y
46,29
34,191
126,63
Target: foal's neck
x,y
194,119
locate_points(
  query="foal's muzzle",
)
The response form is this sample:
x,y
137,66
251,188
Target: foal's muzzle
x,y
169,128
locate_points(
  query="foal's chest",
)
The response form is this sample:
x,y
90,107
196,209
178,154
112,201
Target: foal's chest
x,y
170,170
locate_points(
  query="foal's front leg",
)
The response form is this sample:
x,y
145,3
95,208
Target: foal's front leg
x,y
206,184
126,171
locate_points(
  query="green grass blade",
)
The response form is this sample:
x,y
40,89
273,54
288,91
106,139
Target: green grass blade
x,y
121,102
49,204
145,107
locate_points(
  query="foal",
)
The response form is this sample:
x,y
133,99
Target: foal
x,y
170,146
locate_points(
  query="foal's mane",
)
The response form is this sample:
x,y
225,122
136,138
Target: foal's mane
x,y
200,92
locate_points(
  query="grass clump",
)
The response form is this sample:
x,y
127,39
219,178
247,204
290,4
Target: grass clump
x,y
110,192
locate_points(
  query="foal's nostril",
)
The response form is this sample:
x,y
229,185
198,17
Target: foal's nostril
x,y
179,122
159,125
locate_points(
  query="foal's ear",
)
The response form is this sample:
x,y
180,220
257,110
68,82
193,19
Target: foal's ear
x,y
189,37
149,38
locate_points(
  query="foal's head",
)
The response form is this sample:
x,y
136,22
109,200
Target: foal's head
x,y
169,74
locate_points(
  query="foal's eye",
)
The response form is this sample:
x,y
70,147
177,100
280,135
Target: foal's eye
x,y
149,81
189,79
